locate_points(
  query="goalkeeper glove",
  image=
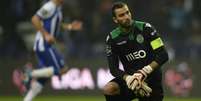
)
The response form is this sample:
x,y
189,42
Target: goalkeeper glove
x,y
140,76
129,80
145,71
145,90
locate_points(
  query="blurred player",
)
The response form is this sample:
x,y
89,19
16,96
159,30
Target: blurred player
x,y
141,51
47,21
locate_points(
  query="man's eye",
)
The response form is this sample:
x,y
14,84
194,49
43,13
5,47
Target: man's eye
x,y
121,15
127,12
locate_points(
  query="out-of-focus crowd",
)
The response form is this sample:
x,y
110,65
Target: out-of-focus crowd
x,y
178,21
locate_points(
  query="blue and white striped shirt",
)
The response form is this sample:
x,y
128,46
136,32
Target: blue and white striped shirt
x,y
51,17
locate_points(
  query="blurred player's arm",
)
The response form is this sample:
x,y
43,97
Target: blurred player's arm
x,y
73,26
37,23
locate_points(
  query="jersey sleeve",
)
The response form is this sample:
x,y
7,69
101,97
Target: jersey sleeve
x,y
156,43
46,11
113,60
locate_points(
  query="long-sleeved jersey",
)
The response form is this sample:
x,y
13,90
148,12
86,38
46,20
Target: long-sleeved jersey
x,y
135,49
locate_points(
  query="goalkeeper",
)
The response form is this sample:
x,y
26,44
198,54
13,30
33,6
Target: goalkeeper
x,y
141,51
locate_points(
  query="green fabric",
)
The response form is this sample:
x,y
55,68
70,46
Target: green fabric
x,y
115,33
139,24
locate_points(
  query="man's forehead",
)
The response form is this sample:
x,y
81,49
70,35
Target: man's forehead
x,y
122,10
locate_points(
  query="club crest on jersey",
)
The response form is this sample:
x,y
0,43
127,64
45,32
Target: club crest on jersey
x,y
140,38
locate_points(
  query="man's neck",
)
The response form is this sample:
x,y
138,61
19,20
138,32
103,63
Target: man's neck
x,y
126,29
56,2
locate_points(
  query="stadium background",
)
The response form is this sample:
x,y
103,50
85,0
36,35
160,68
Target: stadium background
x,y
178,21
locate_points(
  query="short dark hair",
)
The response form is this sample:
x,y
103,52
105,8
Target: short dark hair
x,y
117,5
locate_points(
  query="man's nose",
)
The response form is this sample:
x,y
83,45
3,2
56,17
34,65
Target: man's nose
x,y
126,16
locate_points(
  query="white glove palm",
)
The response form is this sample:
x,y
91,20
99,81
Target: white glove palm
x,y
129,79
134,81
137,82
145,90
140,76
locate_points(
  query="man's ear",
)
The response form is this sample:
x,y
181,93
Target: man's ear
x,y
115,20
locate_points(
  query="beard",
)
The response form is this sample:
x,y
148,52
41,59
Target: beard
x,y
126,24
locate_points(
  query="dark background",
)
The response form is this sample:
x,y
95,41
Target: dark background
x,y
178,21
